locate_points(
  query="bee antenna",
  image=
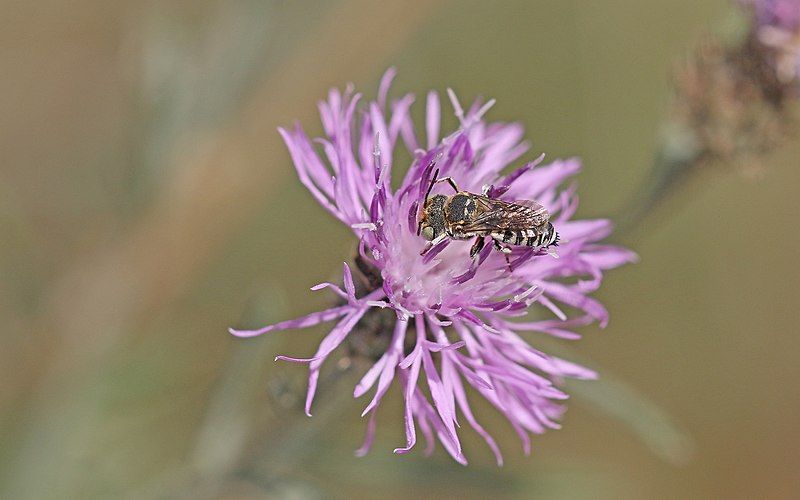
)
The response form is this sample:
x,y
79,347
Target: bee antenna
x,y
430,187
427,194
425,201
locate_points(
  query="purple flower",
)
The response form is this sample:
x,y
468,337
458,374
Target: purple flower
x,y
783,14
778,29
453,325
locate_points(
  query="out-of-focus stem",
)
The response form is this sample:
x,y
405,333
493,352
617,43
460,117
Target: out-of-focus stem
x,y
673,164
281,452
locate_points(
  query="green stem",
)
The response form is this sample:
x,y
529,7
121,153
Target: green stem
x,y
283,451
673,165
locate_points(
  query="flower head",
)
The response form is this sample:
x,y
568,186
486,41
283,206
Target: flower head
x,y
782,14
735,97
450,316
777,27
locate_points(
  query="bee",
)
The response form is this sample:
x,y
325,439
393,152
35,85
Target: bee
x,y
466,215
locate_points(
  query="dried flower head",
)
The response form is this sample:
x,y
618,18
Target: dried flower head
x,y
734,98
731,103
445,320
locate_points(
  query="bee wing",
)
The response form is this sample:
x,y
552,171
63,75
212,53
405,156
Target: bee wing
x,y
539,215
498,215
490,215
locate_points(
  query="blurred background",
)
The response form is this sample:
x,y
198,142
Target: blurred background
x,y
147,203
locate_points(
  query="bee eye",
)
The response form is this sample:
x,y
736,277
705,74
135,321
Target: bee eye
x,y
427,233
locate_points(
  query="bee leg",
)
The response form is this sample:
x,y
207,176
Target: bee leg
x,y
506,251
450,181
476,248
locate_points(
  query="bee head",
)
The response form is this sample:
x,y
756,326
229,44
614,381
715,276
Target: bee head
x,y
431,219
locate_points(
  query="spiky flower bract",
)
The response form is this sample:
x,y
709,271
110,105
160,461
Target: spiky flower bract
x,y
455,321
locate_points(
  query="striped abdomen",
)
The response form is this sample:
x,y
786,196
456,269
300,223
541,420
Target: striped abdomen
x,y
543,236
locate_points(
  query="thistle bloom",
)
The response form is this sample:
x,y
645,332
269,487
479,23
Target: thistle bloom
x,y
452,324
778,28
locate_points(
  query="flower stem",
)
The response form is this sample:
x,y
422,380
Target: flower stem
x,y
673,165
281,452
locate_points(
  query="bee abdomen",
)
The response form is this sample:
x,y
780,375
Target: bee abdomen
x,y
548,236
533,237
